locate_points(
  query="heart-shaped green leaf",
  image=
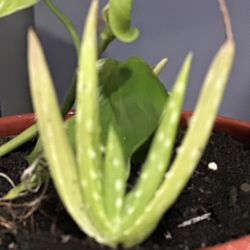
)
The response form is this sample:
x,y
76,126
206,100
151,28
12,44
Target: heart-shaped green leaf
x,y
131,98
8,7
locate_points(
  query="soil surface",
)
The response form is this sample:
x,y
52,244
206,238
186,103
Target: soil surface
x,y
213,208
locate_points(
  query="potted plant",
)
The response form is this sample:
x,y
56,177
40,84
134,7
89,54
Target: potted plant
x,y
88,160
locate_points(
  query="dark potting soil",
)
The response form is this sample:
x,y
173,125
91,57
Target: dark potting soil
x,y
213,208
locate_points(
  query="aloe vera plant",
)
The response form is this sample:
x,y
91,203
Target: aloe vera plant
x,y
90,175
89,156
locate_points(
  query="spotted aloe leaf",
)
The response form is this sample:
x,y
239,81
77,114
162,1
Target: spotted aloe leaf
x,y
131,99
119,19
62,163
87,135
188,154
8,7
159,155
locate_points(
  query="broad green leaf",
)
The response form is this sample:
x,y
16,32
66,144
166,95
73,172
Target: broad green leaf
x,y
119,19
8,7
132,99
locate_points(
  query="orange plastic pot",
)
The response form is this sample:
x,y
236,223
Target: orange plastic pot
x,y
13,125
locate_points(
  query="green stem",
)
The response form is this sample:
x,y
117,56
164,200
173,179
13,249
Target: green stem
x,y
20,139
69,99
105,38
67,23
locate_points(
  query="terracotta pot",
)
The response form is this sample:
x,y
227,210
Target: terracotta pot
x,y
12,125
236,128
15,124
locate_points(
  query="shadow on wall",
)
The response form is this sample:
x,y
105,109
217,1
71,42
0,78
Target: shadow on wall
x,y
14,89
61,58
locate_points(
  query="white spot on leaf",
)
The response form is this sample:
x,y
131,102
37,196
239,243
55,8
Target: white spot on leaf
x,y
91,154
89,125
93,174
130,210
180,87
103,148
138,194
115,162
173,117
138,222
153,157
161,136
96,196
161,167
194,154
144,176
84,183
118,203
167,143
118,185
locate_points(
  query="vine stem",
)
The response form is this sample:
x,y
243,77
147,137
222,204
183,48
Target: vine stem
x,y
67,23
226,19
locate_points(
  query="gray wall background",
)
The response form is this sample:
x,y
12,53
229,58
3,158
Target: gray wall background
x,y
168,28
14,90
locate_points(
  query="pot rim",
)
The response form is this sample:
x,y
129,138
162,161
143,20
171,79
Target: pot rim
x,y
237,128
14,124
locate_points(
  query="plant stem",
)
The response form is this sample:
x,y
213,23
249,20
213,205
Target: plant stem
x,y
25,136
105,38
67,23
69,99
226,20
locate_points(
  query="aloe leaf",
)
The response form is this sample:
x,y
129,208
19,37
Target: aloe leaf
x,y
58,152
114,178
160,151
160,66
8,7
88,152
119,15
191,149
